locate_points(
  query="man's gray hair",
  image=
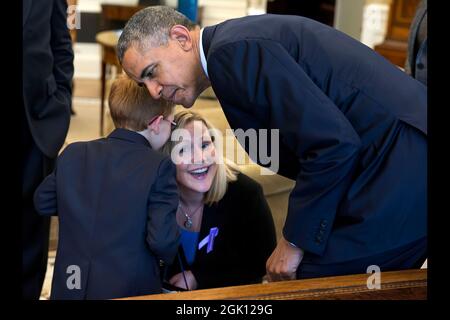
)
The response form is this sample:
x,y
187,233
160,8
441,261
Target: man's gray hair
x,y
150,27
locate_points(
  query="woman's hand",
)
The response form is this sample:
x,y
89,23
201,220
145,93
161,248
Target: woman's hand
x,y
284,261
178,280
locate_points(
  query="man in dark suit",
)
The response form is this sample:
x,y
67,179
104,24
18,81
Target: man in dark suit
x,y
47,76
416,61
353,129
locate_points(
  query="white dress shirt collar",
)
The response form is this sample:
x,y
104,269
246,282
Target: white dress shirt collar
x,y
202,54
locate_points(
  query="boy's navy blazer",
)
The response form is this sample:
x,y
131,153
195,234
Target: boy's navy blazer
x,y
116,200
352,130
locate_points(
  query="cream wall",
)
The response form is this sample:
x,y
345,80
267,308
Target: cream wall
x,y
375,19
348,16
95,5
364,20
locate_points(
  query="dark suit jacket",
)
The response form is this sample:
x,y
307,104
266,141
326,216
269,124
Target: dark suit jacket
x,y
417,58
47,71
341,110
245,240
116,200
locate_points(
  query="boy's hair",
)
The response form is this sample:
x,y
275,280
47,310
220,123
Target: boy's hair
x,y
132,107
227,171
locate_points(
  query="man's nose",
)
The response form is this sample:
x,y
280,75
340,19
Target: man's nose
x,y
154,88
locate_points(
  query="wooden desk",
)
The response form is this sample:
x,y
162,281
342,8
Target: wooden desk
x,y
395,51
398,285
395,46
108,42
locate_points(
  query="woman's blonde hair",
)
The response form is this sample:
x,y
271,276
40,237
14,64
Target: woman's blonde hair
x,y
227,170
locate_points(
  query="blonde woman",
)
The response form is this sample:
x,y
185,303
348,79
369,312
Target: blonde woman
x,y
227,227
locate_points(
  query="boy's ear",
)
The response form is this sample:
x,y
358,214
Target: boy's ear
x,y
154,126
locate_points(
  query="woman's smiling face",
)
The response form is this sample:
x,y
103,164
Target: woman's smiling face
x,y
196,166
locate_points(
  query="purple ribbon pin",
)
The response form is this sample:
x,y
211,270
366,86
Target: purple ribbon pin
x,y
209,239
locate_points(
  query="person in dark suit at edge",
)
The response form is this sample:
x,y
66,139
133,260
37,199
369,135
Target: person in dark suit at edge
x,y
352,127
416,61
47,71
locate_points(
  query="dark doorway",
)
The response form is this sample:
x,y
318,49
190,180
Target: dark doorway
x,y
320,10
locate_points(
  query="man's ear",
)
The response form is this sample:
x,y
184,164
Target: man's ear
x,y
154,126
181,34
